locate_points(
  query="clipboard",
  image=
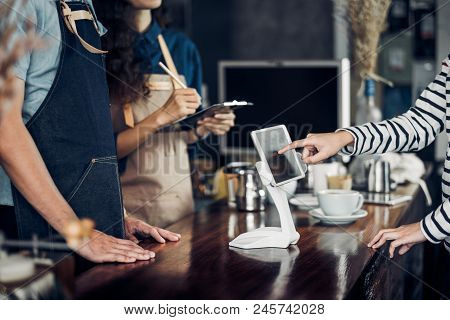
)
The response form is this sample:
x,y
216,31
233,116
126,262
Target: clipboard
x,y
225,107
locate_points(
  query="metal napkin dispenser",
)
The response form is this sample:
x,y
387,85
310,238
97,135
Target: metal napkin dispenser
x,y
250,195
379,176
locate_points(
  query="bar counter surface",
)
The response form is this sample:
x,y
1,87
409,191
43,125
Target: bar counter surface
x,y
329,262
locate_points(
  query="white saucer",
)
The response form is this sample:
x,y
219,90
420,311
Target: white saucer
x,y
304,201
318,213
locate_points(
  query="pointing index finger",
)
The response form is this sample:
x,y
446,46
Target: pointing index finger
x,y
293,145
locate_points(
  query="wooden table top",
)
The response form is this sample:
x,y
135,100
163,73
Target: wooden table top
x,y
325,264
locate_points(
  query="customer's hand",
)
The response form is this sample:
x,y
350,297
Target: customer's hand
x,y
182,103
404,237
219,124
319,147
103,248
135,227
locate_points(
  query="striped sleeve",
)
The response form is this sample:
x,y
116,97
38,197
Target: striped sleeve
x,y
411,131
436,225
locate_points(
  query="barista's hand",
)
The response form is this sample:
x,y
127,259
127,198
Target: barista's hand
x,y
404,237
219,124
104,248
182,103
135,227
318,147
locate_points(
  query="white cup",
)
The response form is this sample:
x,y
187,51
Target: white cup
x,y
340,202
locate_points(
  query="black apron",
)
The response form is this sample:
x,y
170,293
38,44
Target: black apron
x,y
73,131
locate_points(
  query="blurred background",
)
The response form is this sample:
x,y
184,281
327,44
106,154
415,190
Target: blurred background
x,y
413,44
290,58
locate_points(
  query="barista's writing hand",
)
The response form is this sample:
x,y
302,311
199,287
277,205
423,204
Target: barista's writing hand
x,y
404,237
318,147
103,248
219,124
183,102
135,227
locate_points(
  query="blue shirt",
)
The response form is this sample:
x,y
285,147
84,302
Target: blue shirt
x,y
38,67
184,54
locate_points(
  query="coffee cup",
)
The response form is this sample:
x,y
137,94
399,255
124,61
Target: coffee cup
x,y
334,202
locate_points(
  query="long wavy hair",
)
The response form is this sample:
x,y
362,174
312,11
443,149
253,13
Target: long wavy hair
x,y
125,79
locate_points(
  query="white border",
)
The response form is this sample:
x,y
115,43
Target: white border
x,y
114,309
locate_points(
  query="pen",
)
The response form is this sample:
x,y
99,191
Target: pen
x,y
170,73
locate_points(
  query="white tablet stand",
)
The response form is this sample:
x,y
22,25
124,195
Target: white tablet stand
x,y
270,237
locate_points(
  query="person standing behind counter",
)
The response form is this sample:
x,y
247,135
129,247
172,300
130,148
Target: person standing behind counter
x,y
411,131
156,183
56,140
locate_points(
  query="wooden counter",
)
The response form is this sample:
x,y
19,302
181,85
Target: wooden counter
x,y
327,263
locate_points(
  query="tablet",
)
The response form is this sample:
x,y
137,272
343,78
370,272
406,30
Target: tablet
x,y
285,167
190,121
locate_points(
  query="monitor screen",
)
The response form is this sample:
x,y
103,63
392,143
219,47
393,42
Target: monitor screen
x,y
304,98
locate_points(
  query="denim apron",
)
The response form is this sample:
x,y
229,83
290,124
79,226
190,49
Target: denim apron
x,y
73,131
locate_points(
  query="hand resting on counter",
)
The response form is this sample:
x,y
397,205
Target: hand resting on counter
x,y
102,248
134,227
404,237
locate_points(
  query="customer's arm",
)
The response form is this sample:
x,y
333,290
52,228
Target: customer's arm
x,y
411,131
21,160
436,225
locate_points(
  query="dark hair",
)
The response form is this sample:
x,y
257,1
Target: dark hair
x,y
162,15
125,79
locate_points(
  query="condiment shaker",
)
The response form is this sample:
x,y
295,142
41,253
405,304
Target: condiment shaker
x,y
250,195
379,176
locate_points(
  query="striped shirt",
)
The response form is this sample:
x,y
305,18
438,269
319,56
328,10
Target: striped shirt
x,y
413,131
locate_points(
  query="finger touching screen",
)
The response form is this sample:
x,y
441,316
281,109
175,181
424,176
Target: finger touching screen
x,y
284,167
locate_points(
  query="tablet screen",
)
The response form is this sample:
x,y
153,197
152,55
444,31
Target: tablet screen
x,y
285,166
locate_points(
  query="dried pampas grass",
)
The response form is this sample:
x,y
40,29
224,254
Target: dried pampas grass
x,y
367,20
12,49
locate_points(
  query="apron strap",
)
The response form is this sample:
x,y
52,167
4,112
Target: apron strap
x,y
70,17
168,58
127,109
128,115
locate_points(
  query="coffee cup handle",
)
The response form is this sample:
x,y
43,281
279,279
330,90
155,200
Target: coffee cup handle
x,y
360,202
